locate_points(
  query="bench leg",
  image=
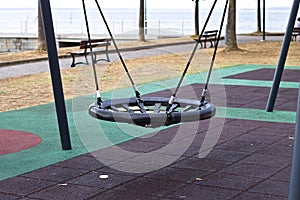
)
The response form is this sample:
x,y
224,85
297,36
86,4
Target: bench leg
x,y
86,59
294,36
201,44
106,52
102,59
73,60
211,43
73,64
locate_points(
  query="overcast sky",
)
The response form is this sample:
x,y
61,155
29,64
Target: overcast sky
x,y
163,4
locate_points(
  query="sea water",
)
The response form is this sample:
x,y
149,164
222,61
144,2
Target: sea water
x,y
125,21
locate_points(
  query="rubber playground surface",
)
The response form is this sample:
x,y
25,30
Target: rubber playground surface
x,y
243,152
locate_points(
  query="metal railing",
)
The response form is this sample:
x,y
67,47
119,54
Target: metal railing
x,y
118,27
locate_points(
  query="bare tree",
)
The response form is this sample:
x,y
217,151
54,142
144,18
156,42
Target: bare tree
x,y
142,21
258,17
196,17
230,38
41,34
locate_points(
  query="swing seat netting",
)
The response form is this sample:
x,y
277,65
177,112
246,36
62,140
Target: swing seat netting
x,y
153,114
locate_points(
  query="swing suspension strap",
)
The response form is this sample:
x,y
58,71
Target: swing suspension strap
x,y
98,94
214,54
137,94
171,107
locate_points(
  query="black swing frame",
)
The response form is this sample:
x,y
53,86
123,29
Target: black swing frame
x,y
147,111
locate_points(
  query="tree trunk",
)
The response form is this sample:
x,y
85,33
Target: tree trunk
x,y
196,17
258,17
142,21
41,34
230,39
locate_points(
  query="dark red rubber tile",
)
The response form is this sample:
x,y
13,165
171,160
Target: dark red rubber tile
x,y
8,196
241,146
160,137
241,124
288,106
192,151
204,164
256,136
283,175
196,191
69,191
251,170
257,196
230,132
276,149
271,187
229,181
226,155
275,130
268,160
82,162
55,173
290,127
144,187
238,96
22,186
124,195
173,174
287,140
137,145
267,74
93,179
109,170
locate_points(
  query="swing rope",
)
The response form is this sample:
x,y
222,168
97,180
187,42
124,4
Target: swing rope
x,y
214,55
98,94
160,111
137,93
171,106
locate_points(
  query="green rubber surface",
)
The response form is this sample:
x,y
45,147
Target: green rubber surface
x,y
41,120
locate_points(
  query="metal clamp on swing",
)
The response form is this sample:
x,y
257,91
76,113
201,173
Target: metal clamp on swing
x,y
171,106
99,99
139,100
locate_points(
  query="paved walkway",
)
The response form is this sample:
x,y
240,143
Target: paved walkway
x,y
42,66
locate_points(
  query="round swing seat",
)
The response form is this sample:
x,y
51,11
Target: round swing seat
x,y
153,114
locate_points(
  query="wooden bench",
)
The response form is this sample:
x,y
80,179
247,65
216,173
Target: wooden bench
x,y
209,36
295,33
96,45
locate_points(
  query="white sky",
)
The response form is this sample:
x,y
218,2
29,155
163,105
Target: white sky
x,y
163,4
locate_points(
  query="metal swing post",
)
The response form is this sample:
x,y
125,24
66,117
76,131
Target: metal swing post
x,y
55,75
282,57
294,192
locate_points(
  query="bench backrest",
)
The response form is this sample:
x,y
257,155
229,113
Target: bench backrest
x,y
213,32
85,44
296,29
